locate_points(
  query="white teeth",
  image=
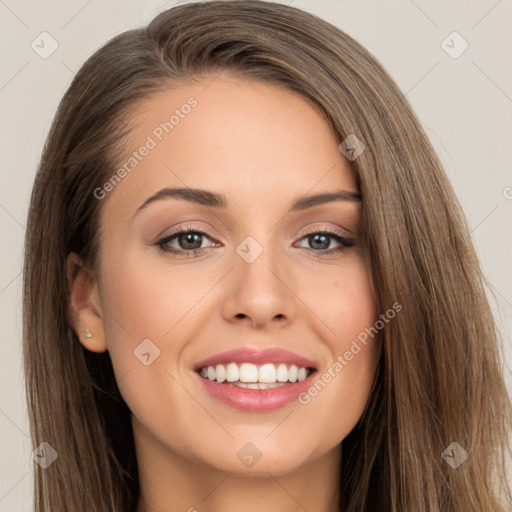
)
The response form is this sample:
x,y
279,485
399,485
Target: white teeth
x,y
248,372
282,374
251,376
220,373
232,372
267,373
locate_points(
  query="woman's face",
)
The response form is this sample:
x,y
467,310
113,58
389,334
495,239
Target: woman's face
x,y
257,274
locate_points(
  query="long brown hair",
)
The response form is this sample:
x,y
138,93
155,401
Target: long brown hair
x,y
440,376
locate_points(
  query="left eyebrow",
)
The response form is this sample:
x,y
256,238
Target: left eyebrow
x,y
302,203
215,200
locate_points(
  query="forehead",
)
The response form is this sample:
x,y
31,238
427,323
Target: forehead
x,y
244,138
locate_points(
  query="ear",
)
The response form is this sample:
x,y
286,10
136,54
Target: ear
x,y
85,305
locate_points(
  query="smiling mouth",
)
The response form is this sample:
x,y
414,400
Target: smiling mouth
x,y
252,376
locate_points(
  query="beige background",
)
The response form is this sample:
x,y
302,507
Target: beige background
x,y
464,103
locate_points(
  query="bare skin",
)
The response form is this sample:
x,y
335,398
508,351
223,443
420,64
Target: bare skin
x,y
262,147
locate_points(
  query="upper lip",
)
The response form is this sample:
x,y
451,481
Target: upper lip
x,y
256,356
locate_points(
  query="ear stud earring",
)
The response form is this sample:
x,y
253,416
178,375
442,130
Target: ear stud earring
x,y
87,334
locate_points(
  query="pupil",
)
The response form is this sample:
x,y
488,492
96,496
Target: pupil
x,y
325,242
188,239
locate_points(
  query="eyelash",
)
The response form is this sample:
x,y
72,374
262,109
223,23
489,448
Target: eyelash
x,y
344,241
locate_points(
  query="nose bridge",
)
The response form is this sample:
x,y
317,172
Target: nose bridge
x,y
259,280
258,262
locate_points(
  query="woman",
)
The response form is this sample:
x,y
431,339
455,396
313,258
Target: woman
x,y
257,369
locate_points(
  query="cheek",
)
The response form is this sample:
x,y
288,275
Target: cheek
x,y
357,309
137,306
341,298
355,347
144,308
156,302
149,300
347,307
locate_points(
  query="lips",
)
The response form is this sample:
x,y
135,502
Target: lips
x,y
257,391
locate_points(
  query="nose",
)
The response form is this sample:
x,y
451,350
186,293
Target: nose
x,y
260,292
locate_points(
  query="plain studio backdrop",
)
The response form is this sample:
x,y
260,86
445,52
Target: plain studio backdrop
x,y
451,60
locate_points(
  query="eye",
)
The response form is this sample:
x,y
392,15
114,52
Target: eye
x,y
320,240
189,241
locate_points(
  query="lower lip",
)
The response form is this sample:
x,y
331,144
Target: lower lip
x,y
256,399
